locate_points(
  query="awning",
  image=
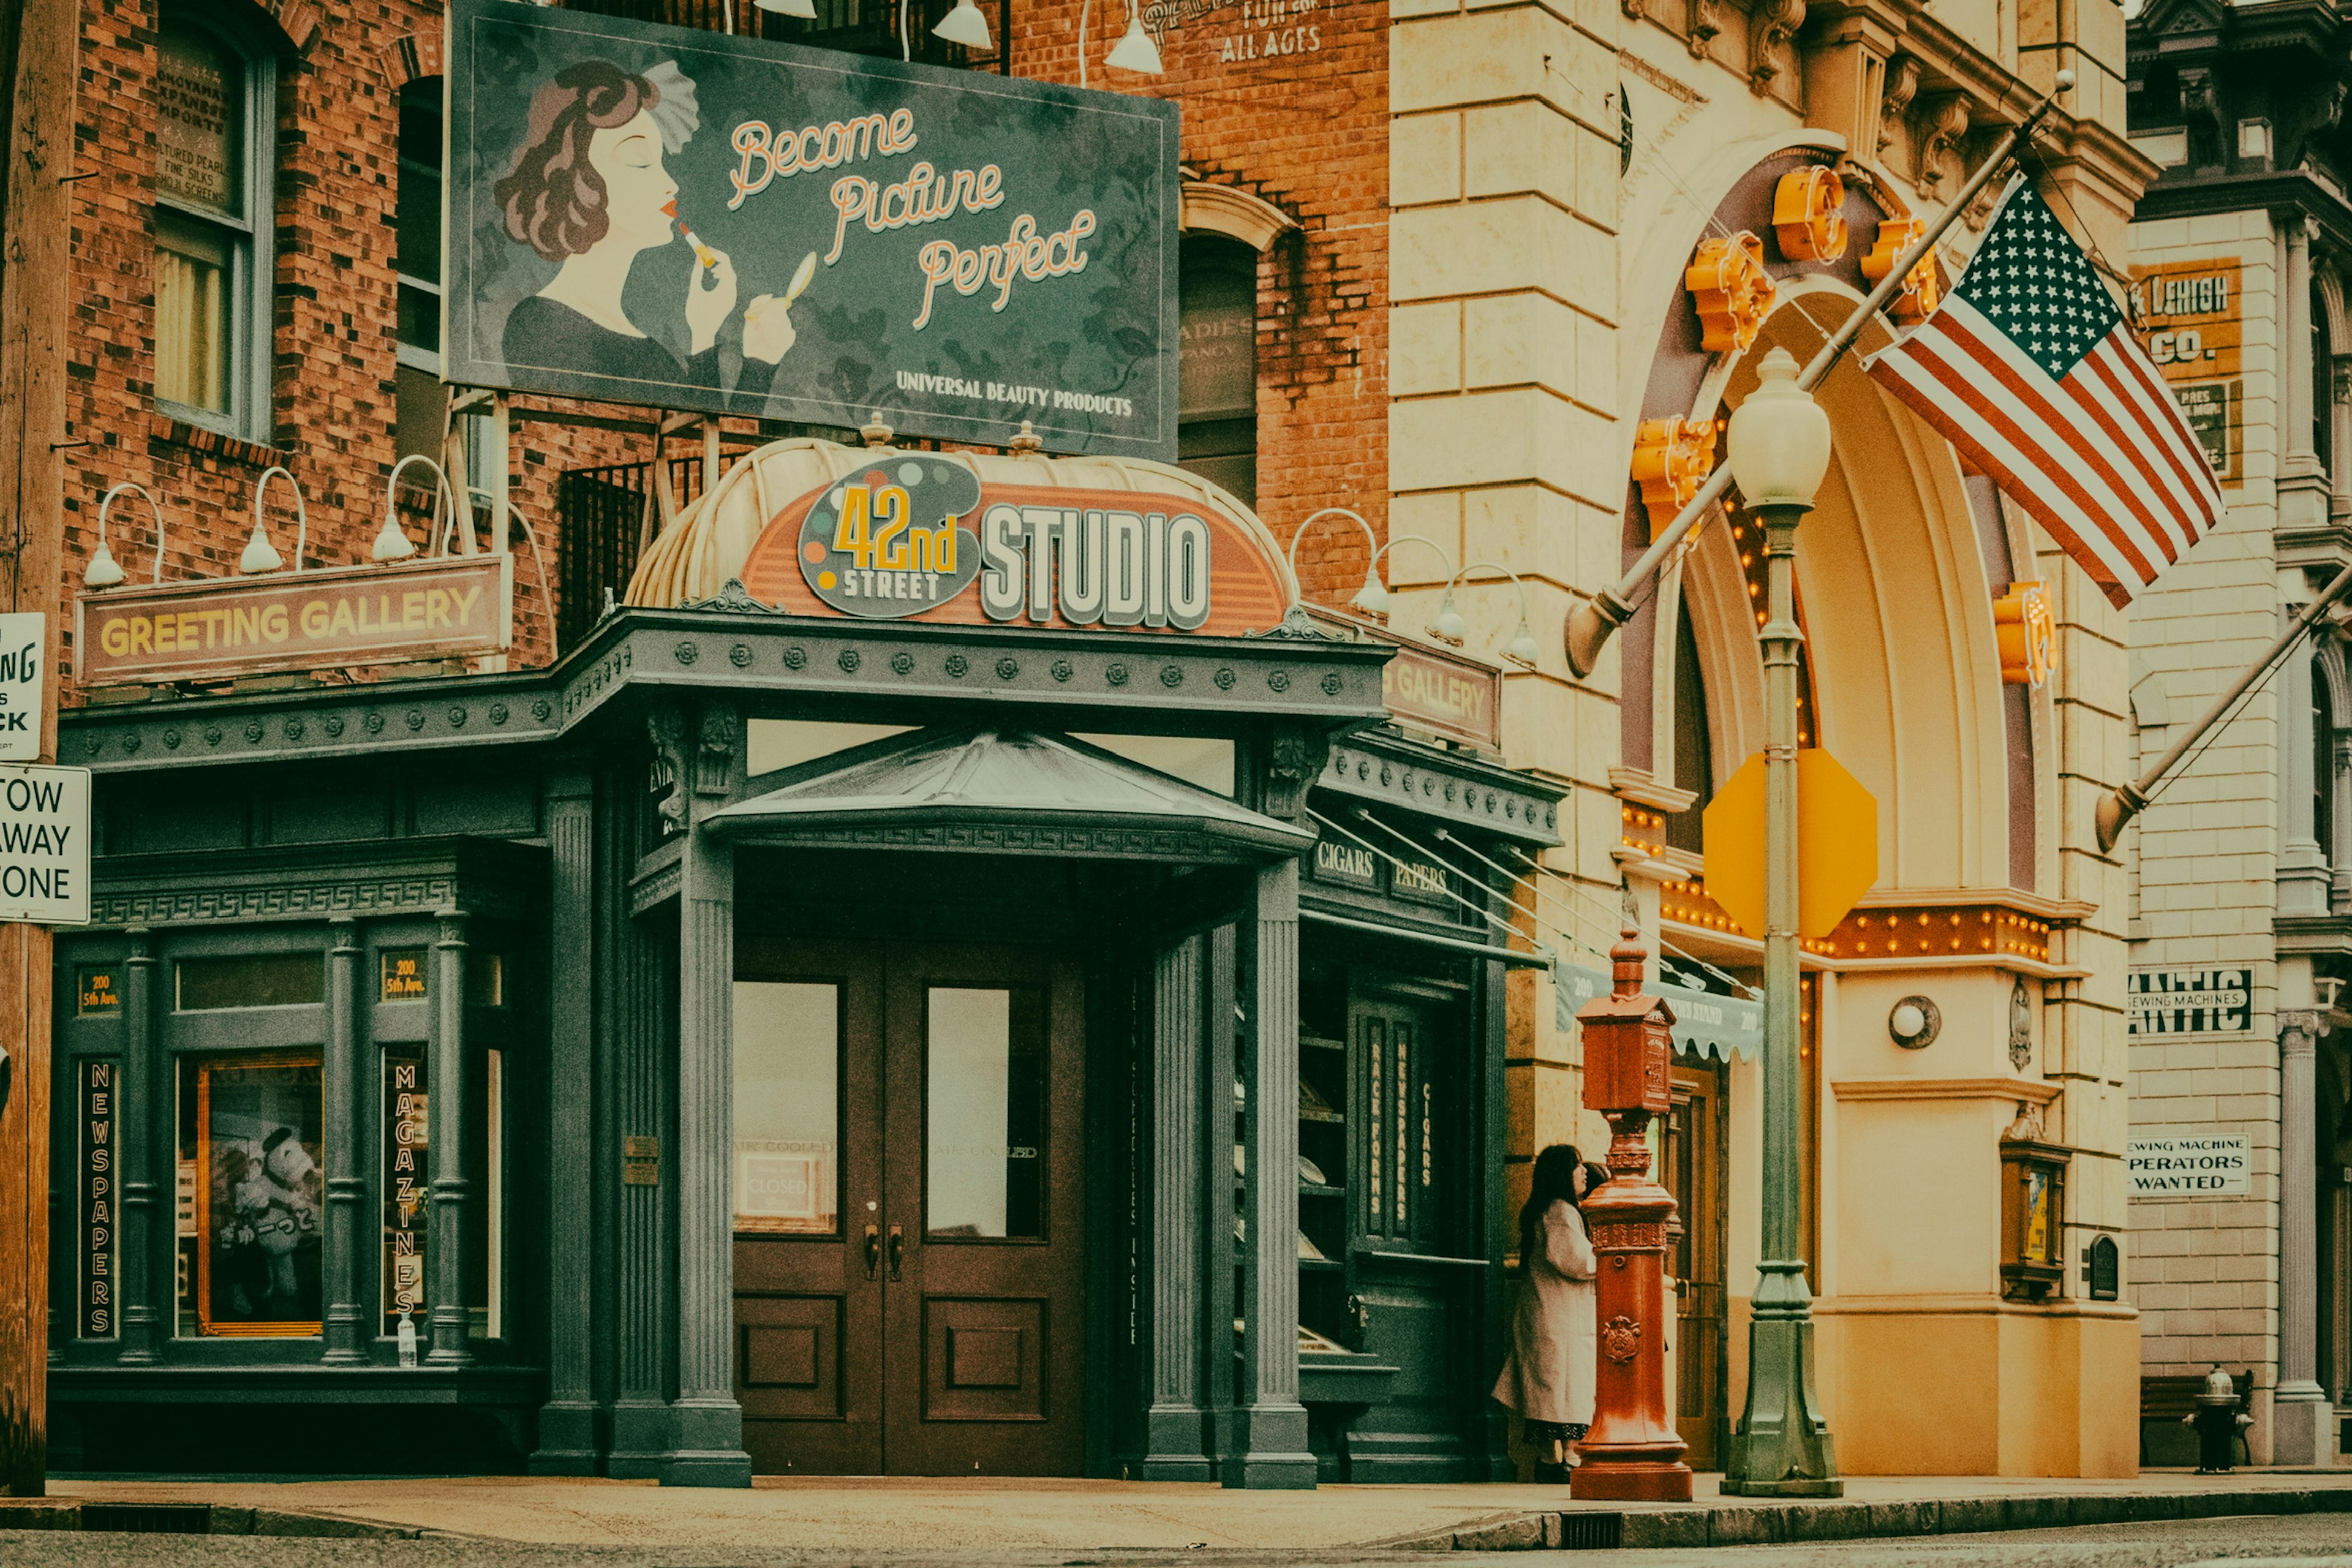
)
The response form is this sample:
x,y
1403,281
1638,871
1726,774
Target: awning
x,y
1706,1023
1009,792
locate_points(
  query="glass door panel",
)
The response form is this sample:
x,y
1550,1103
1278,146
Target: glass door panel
x,y
787,1107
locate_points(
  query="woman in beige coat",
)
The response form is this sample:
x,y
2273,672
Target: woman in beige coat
x,y
1548,1376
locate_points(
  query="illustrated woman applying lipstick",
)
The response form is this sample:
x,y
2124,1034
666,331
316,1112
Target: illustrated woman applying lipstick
x,y
588,192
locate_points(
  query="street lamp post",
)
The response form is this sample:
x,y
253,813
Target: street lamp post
x,y
1780,441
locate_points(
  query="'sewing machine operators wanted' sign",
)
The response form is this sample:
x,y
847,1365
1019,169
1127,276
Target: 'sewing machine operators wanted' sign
x,y
686,219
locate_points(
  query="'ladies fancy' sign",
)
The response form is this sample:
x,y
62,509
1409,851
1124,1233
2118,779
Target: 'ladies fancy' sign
x,y
690,220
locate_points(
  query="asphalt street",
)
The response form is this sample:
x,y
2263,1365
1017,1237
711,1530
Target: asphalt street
x,y
2314,1541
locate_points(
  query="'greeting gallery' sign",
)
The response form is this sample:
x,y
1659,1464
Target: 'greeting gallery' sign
x,y
433,609
686,219
920,536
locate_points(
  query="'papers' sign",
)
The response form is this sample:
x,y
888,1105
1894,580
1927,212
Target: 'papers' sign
x,y
2188,1167
45,845
24,646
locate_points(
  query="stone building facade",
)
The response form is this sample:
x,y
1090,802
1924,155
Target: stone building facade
x,y
2237,249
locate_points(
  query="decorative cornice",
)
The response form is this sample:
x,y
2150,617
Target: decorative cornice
x,y
1457,791
412,878
2008,1090
1333,685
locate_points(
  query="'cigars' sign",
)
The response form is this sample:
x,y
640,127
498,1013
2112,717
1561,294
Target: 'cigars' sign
x,y
215,627
920,537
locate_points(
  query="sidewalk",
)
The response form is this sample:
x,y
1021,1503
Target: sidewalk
x,y
930,1517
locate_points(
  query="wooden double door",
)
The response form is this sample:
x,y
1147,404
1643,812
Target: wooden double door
x,y
910,1281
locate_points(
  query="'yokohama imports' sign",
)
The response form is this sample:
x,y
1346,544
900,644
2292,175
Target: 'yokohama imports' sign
x,y
215,626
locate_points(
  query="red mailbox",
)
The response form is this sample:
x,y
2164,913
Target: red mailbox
x,y
1632,1454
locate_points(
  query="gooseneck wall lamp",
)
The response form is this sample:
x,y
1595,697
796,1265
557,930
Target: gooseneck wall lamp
x,y
1521,648
392,540
259,555
964,26
1779,450
104,571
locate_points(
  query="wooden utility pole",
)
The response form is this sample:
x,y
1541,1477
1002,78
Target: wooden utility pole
x,y
37,42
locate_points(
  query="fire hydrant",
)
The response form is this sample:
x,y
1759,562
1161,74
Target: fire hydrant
x,y
2216,1419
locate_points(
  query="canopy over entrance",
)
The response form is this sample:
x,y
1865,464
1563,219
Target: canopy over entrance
x,y
1011,791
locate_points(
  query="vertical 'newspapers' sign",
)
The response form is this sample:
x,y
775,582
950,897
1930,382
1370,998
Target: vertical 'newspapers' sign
x,y
686,219
45,845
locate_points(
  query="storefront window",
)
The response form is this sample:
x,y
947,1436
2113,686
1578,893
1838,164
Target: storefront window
x,y
251,1144
787,1107
254,980
986,1102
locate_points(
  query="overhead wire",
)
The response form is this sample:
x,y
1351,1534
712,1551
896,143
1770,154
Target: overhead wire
x,y
1540,923
1485,914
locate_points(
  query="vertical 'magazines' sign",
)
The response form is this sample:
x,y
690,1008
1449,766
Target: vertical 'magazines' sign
x,y
686,219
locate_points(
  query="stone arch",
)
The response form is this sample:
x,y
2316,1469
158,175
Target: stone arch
x,y
1228,210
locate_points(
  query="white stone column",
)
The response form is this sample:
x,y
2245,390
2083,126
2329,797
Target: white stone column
x,y
2304,881
2340,466
2303,1418
2303,484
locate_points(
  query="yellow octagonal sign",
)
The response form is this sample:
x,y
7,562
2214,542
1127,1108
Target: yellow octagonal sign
x,y
1837,844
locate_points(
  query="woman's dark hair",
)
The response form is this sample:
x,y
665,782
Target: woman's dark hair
x,y
553,201
1595,1175
1554,1182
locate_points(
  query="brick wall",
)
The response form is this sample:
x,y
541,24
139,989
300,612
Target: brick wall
x,y
1304,129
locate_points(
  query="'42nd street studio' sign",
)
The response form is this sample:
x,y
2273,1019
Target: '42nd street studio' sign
x,y
684,219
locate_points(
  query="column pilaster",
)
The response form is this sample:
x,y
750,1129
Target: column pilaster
x,y
1174,1435
709,1423
1271,1444
567,1421
2303,1418
2303,880
451,1194
137,1096
346,1317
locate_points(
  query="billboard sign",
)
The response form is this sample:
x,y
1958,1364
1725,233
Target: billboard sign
x,y
689,220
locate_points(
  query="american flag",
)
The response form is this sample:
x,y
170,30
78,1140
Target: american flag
x,y
2031,370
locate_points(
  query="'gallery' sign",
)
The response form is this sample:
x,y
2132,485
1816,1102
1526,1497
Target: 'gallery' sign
x,y
919,536
434,608
684,219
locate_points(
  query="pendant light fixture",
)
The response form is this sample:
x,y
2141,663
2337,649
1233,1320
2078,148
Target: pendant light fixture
x,y
964,26
805,10
1135,52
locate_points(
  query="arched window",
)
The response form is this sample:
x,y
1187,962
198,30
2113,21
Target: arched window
x,y
2323,764
215,208
417,394
1694,745
1216,396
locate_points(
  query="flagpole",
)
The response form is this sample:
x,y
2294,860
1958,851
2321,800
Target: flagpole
x,y
1591,624
2119,805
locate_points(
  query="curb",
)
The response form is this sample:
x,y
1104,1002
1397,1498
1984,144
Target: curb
x,y
1768,1524
192,1518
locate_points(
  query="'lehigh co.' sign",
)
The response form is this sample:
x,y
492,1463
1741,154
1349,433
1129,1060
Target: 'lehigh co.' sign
x,y
215,626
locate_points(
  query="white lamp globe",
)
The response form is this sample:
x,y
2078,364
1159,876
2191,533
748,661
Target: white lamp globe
x,y
260,554
1135,52
964,26
803,9
103,571
1372,599
1780,438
